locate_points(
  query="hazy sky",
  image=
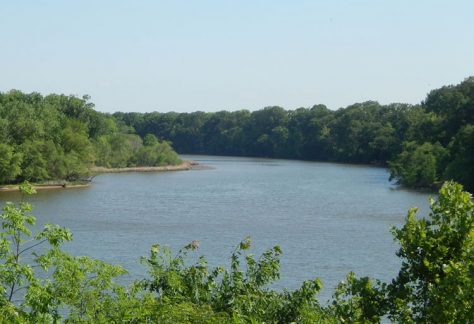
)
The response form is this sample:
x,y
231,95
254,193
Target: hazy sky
x,y
213,55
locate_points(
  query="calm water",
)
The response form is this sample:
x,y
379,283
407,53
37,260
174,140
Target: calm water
x,y
328,218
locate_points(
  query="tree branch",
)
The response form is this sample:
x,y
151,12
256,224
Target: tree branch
x,y
30,247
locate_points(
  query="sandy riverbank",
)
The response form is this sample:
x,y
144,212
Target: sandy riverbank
x,y
37,187
186,165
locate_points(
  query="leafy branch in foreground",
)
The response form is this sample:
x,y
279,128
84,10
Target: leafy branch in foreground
x,y
17,270
436,281
237,294
39,283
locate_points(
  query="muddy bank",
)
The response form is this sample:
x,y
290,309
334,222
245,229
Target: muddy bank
x,y
48,186
186,165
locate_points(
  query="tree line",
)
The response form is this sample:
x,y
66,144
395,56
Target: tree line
x,y
422,144
47,285
58,137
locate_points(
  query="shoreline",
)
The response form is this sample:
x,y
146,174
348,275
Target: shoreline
x,y
186,165
38,187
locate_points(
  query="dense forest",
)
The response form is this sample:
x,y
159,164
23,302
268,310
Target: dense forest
x,y
434,283
422,144
60,137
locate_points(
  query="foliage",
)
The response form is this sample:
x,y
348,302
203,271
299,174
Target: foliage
x,y
435,282
43,285
418,165
18,270
368,132
9,163
359,300
154,153
461,166
236,293
59,137
40,283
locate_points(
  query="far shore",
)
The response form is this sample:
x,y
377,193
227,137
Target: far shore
x,y
185,165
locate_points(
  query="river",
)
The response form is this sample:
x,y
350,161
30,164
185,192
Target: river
x,y
328,218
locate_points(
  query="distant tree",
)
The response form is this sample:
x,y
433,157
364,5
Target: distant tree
x,y
34,163
461,165
10,163
454,104
60,137
150,140
56,165
122,148
419,165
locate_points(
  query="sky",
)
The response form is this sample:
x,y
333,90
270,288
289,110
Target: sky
x,y
187,55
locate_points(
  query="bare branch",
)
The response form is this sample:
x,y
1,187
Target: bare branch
x,y
30,247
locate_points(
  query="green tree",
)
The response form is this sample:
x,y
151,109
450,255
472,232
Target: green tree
x,y
365,132
122,149
60,137
418,165
238,293
19,277
461,165
42,285
435,283
34,163
150,140
454,104
359,300
56,165
10,163
103,151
